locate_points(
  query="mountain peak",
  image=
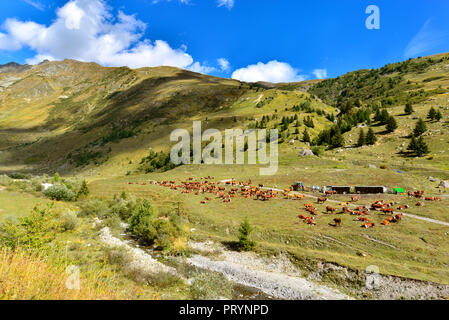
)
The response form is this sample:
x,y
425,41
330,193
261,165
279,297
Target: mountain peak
x,y
13,67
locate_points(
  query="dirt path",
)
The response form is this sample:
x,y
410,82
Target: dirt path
x,y
276,277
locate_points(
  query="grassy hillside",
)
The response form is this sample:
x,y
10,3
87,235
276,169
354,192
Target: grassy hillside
x,y
90,122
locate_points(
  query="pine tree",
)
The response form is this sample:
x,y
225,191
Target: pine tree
x,y
371,137
377,116
392,124
306,136
408,108
83,191
422,147
384,116
412,145
420,128
362,138
418,146
438,116
56,177
432,113
337,140
245,244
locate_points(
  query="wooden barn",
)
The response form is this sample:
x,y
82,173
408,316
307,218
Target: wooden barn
x,y
371,189
340,189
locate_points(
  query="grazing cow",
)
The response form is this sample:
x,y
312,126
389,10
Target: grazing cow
x,y
308,205
310,221
203,202
386,222
362,219
321,200
302,217
420,204
355,198
368,225
437,199
330,209
387,210
403,207
337,221
330,192
398,217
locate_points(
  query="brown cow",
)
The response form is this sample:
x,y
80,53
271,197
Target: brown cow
x,y
337,221
330,209
355,198
368,225
321,200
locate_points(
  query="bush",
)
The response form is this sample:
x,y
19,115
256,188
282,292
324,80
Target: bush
x,y
318,150
245,244
83,191
33,232
210,286
95,208
69,220
59,192
153,230
122,208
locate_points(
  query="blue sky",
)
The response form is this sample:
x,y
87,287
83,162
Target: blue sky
x,y
246,39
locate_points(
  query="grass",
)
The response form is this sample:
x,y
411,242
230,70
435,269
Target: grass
x,y
26,276
154,101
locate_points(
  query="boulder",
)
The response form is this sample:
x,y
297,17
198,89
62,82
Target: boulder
x,y
444,184
306,152
432,179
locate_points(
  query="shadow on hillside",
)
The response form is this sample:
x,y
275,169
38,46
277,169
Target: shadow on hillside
x,y
231,245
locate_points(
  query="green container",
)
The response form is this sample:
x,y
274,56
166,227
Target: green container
x,y
398,190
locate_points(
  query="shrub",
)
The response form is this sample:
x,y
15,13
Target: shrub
x,y
34,231
245,244
318,150
83,191
94,207
210,286
69,220
153,230
59,192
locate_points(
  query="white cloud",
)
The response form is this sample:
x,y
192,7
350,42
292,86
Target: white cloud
x,y
224,64
320,73
428,38
198,67
36,4
226,3
273,71
86,30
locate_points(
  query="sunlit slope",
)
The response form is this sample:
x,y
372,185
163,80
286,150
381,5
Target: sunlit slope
x,y
66,116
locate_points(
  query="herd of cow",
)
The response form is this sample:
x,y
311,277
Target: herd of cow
x,y
227,190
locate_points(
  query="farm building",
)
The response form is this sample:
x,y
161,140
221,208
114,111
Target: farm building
x,y
371,189
340,189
